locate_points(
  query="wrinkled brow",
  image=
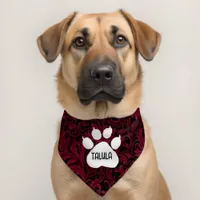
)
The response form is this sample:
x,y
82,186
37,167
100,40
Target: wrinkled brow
x,y
85,32
114,29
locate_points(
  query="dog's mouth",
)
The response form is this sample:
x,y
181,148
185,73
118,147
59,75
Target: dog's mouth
x,y
102,95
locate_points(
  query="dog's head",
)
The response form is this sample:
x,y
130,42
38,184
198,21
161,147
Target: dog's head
x,y
99,57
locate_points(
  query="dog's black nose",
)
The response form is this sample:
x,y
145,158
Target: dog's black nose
x,y
103,73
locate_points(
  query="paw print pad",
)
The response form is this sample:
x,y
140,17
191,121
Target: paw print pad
x,y
102,154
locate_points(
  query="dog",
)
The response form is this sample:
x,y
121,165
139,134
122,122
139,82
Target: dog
x,y
112,42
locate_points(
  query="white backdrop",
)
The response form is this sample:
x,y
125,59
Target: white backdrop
x,y
29,112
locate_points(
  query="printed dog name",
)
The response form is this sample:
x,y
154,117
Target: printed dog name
x,y
101,155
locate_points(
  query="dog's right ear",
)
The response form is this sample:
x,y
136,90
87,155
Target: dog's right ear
x,y
50,43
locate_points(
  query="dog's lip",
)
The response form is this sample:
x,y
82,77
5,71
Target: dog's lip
x,y
91,96
99,93
101,96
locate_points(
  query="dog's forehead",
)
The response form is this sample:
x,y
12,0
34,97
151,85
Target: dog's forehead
x,y
104,20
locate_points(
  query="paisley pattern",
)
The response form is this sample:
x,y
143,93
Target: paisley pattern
x,y
73,153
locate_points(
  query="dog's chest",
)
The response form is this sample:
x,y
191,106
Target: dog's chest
x,y
130,187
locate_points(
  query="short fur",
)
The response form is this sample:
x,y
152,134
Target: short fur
x,y
143,181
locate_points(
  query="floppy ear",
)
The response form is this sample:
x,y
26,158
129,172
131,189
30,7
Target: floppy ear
x,y
50,43
147,40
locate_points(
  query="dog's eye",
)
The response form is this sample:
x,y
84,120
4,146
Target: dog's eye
x,y
79,43
120,41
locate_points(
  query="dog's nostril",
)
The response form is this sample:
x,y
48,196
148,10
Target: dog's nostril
x,y
108,75
97,76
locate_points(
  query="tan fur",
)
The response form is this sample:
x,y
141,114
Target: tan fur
x,y
143,181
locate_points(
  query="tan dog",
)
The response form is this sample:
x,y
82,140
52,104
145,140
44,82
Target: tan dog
x,y
104,39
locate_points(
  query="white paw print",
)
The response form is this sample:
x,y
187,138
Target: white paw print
x,y
102,154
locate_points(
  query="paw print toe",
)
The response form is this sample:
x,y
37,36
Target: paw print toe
x,y
96,134
107,132
87,143
116,142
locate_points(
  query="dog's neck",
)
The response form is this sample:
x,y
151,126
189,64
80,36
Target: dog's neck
x,y
68,98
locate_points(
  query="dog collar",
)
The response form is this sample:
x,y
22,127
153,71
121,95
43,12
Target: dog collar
x,y
100,151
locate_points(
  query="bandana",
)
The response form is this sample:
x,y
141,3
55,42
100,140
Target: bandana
x,y
100,151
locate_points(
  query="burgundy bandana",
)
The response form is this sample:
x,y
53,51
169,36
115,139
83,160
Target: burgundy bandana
x,y
100,151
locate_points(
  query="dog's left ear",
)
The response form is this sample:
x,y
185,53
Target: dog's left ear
x,y
50,43
147,40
